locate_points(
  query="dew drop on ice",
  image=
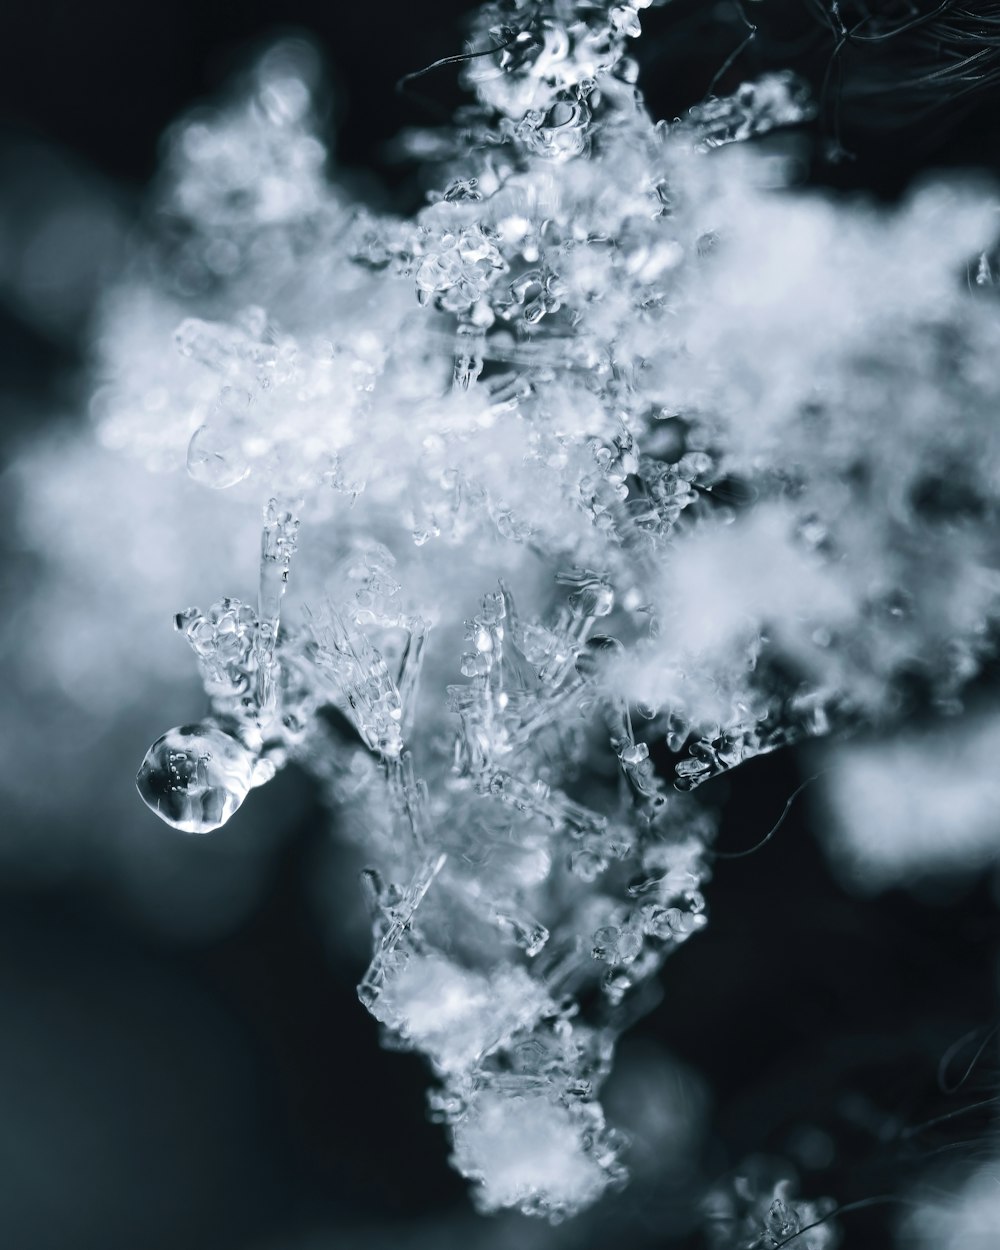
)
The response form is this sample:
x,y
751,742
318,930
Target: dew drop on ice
x,y
195,777
215,459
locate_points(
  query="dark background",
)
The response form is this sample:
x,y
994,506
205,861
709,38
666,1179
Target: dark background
x,y
231,1093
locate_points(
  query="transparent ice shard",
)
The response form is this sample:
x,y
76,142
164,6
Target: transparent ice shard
x,y
277,547
357,679
395,918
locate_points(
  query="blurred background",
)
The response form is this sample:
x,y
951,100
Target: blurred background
x,y
183,1060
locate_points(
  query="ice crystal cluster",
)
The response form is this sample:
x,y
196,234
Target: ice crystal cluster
x,y
619,446
761,1210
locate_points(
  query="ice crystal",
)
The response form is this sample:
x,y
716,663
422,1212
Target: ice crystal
x,y
760,1211
642,445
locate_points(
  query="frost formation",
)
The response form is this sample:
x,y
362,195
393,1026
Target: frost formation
x,y
619,445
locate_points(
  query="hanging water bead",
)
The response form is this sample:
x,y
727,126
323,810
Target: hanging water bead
x,y
215,459
215,455
196,776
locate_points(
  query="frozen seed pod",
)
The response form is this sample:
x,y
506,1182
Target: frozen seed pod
x,y
196,776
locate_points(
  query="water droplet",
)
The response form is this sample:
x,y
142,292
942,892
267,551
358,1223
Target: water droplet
x,y
195,777
215,458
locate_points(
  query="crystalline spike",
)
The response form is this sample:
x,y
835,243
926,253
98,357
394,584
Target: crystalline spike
x,y
398,919
277,547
